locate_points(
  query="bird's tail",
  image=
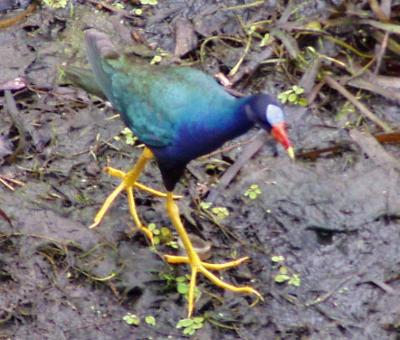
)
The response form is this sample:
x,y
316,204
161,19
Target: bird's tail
x,y
85,79
99,48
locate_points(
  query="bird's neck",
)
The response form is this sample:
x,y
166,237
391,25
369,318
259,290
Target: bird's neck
x,y
238,123
229,122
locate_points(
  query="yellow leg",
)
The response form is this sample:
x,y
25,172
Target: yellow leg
x,y
212,266
196,265
128,183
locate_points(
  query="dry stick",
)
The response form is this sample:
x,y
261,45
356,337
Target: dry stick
x,y
18,123
378,10
375,151
386,6
251,65
360,106
383,138
385,17
381,53
4,23
103,4
390,93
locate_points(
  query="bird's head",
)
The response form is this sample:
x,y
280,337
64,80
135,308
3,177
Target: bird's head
x,y
265,111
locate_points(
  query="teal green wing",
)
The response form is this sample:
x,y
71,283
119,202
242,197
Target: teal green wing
x,y
125,83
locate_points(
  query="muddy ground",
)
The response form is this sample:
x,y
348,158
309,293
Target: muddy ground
x,y
333,219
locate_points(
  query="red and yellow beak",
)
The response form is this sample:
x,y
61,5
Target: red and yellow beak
x,y
280,135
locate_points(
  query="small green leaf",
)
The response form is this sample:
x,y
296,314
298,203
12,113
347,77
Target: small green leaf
x,y
172,244
189,331
197,325
183,323
182,288
151,226
131,319
265,40
205,205
181,279
313,25
283,97
295,280
55,3
302,102
165,232
198,319
150,320
292,98
118,5
156,59
220,212
280,278
277,258
298,90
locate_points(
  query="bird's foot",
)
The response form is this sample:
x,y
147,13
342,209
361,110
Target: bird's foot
x,y
198,266
123,175
128,183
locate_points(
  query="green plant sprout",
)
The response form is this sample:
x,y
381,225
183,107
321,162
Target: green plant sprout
x,y
55,4
190,326
205,205
130,138
159,56
220,212
150,320
156,59
344,110
293,96
162,235
118,5
181,283
182,286
137,11
149,2
277,258
253,191
131,319
266,40
284,274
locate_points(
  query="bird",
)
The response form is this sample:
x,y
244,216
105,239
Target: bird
x,y
178,113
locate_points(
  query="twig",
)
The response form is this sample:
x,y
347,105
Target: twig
x,y
371,147
4,23
4,180
18,123
103,4
327,295
378,10
244,6
385,17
